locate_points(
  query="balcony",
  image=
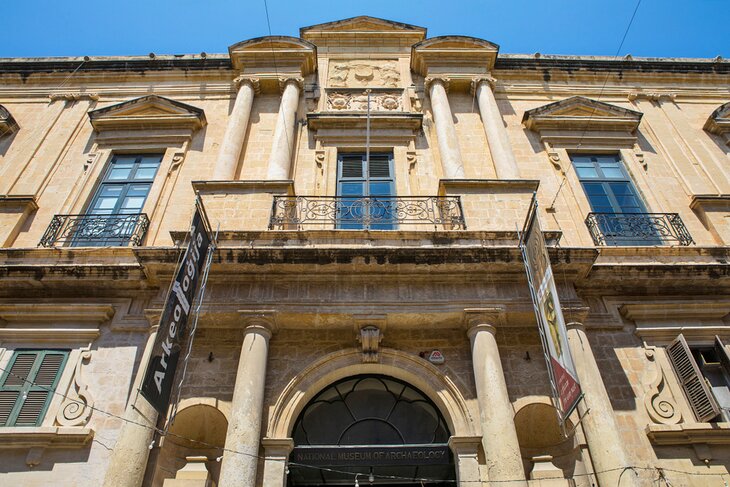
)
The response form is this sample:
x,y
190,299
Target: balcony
x,y
366,213
95,230
637,229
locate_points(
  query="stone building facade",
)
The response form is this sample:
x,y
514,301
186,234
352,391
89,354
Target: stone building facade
x,y
366,183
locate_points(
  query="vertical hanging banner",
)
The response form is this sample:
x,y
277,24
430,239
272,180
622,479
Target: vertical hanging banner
x,y
158,379
549,314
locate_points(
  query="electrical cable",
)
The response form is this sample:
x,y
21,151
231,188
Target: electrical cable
x,y
608,75
161,432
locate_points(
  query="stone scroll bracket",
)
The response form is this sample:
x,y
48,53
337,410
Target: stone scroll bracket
x,y
78,404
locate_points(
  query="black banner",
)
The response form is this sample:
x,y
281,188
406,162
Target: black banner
x,y
342,456
158,380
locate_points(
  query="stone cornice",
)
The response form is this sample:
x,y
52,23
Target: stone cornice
x,y
56,313
147,114
284,52
28,202
45,437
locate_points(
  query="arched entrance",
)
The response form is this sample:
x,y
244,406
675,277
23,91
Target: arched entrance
x,y
378,427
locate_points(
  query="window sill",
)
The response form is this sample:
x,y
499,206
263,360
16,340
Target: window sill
x,y
689,434
44,437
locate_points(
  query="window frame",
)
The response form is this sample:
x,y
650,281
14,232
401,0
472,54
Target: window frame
x,y
695,385
384,204
604,181
28,384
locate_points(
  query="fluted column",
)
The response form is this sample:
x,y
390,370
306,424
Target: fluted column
x,y
604,440
445,129
244,430
128,460
283,142
499,435
230,150
505,163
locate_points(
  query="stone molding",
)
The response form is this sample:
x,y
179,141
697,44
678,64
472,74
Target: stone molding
x,y
73,96
518,184
578,121
689,434
56,313
285,186
445,52
150,117
45,437
289,53
345,363
8,125
277,447
363,28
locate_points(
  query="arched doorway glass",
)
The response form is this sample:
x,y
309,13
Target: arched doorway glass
x,y
371,425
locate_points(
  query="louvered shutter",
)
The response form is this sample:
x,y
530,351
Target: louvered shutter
x,y
379,166
28,386
352,166
693,383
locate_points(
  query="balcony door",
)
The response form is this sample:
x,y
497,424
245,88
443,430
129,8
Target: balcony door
x,y
366,192
619,212
112,216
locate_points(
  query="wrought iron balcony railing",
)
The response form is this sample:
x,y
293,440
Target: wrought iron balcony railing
x,y
373,213
637,229
95,230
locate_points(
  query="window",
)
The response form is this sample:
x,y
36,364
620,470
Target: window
x,y
607,185
118,200
619,215
27,386
365,191
704,374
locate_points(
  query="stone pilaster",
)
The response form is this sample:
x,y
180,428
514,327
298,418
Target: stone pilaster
x,y
244,430
445,129
282,145
466,453
128,460
599,424
505,163
230,150
276,453
499,435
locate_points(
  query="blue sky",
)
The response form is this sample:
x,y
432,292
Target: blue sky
x,y
662,28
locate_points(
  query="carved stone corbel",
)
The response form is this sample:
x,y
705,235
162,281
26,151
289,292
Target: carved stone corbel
x,y
177,159
78,404
412,158
370,338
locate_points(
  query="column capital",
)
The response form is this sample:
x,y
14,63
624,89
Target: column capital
x,y
277,447
476,81
248,80
443,80
465,445
259,321
492,316
283,81
576,325
575,313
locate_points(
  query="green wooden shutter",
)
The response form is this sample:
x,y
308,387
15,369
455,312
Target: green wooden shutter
x,y
28,385
693,383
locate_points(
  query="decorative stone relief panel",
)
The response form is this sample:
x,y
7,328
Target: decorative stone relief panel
x,y
391,101
364,73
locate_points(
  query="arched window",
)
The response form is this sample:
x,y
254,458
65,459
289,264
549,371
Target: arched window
x,y
371,425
